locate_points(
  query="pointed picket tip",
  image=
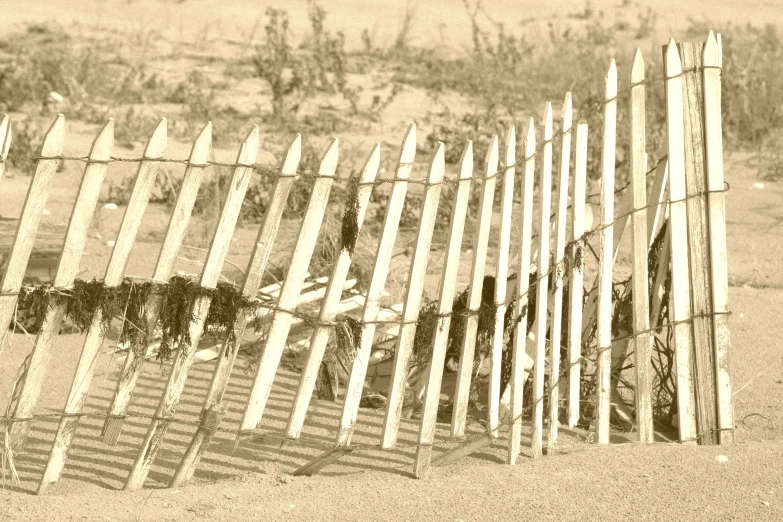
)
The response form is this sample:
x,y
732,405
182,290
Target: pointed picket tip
x,y
720,49
637,71
611,81
408,148
104,143
567,114
548,121
157,143
8,140
52,145
199,154
5,135
248,151
292,157
492,154
329,159
673,63
438,168
370,169
530,139
466,161
710,54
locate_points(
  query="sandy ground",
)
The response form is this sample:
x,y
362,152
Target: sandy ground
x,y
252,481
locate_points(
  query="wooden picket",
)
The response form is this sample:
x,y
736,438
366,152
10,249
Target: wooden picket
x,y
559,275
518,371
576,289
685,208
501,282
542,290
447,289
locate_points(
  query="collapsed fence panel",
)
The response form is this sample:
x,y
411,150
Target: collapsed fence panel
x,y
681,258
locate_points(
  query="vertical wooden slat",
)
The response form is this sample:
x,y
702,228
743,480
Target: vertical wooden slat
x,y
289,295
37,195
5,142
643,342
67,268
448,283
606,259
713,137
214,405
175,234
126,237
557,313
331,304
353,393
681,295
210,274
480,247
542,289
521,311
576,288
501,281
704,374
413,293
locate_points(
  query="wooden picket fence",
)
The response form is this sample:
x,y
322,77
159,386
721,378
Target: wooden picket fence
x,y
687,192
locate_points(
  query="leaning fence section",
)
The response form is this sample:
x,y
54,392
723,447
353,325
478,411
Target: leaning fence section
x,y
594,353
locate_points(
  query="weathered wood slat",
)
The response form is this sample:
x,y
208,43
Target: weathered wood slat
x,y
126,237
175,234
681,294
446,292
576,279
698,246
214,404
67,268
331,304
414,289
542,289
289,295
518,373
34,203
713,137
209,278
560,241
383,257
480,248
606,258
643,343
